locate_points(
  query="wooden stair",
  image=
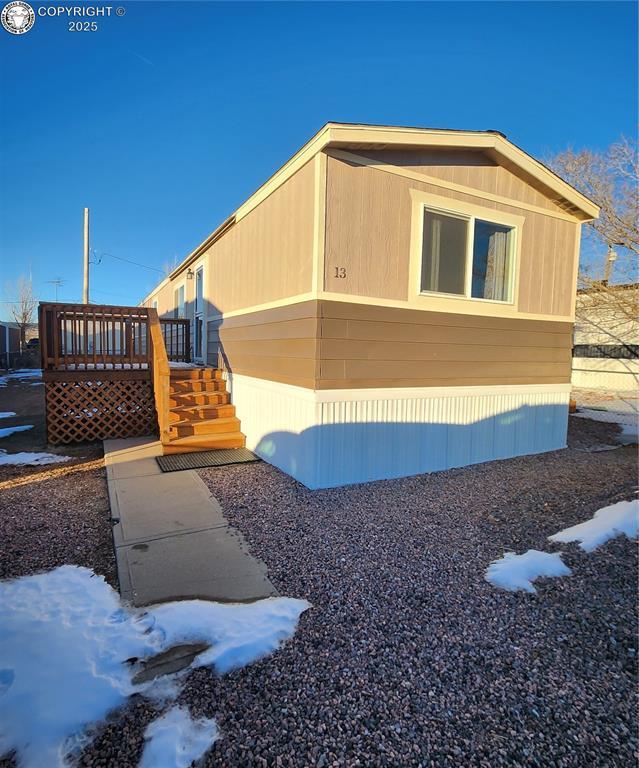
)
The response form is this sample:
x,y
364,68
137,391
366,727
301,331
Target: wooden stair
x,y
201,417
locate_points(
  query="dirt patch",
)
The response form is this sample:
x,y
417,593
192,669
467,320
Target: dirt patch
x,y
587,434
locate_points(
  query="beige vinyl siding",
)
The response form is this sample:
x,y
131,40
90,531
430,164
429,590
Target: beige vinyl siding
x,y
363,346
341,345
213,348
267,255
470,168
164,298
276,344
368,228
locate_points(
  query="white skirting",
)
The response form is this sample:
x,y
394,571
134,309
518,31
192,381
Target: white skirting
x,y
335,437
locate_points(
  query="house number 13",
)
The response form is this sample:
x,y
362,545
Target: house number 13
x,y
340,271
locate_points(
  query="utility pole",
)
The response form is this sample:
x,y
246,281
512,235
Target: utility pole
x,y
85,289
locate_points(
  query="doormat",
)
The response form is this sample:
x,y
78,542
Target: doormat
x,y
219,458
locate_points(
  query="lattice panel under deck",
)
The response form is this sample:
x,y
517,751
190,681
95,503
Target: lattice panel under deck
x,y
82,411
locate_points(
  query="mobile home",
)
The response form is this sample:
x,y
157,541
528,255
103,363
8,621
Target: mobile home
x,y
391,301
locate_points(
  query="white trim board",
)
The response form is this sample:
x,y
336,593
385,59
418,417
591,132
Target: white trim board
x,y
411,393
422,302
400,393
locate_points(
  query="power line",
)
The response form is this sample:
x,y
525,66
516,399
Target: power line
x,y
128,261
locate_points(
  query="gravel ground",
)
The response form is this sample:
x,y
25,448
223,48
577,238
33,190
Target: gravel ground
x,y
589,435
51,515
55,514
407,657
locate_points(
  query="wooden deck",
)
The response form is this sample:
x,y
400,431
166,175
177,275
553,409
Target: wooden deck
x,y
107,374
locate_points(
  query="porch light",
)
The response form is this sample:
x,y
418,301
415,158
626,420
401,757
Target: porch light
x,y
189,274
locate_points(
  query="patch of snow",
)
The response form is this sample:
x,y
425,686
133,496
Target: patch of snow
x,y
607,523
176,364
238,633
6,414
513,572
630,433
31,459
22,374
106,366
26,373
65,638
67,650
6,431
174,740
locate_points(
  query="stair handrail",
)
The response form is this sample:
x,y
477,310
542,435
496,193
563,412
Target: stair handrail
x,y
160,375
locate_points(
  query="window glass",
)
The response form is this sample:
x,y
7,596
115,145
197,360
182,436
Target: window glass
x,y
446,260
491,261
199,293
444,253
179,310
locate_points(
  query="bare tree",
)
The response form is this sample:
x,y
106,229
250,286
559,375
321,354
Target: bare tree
x,y
23,307
607,310
611,180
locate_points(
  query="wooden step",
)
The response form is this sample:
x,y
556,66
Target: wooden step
x,y
198,398
199,412
195,385
205,442
181,374
204,427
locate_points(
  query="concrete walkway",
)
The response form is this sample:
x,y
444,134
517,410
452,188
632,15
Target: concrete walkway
x,y
171,539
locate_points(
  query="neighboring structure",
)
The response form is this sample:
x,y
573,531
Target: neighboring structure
x,y
10,352
9,343
606,339
392,301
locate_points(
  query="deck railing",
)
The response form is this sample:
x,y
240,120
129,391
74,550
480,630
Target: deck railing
x,y
81,337
76,337
177,338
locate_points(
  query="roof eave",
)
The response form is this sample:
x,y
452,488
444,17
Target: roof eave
x,y
482,140
336,134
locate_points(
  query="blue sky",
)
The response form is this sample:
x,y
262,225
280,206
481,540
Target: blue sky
x,y
166,119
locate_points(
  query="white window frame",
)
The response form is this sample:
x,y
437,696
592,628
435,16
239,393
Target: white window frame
x,y
423,201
